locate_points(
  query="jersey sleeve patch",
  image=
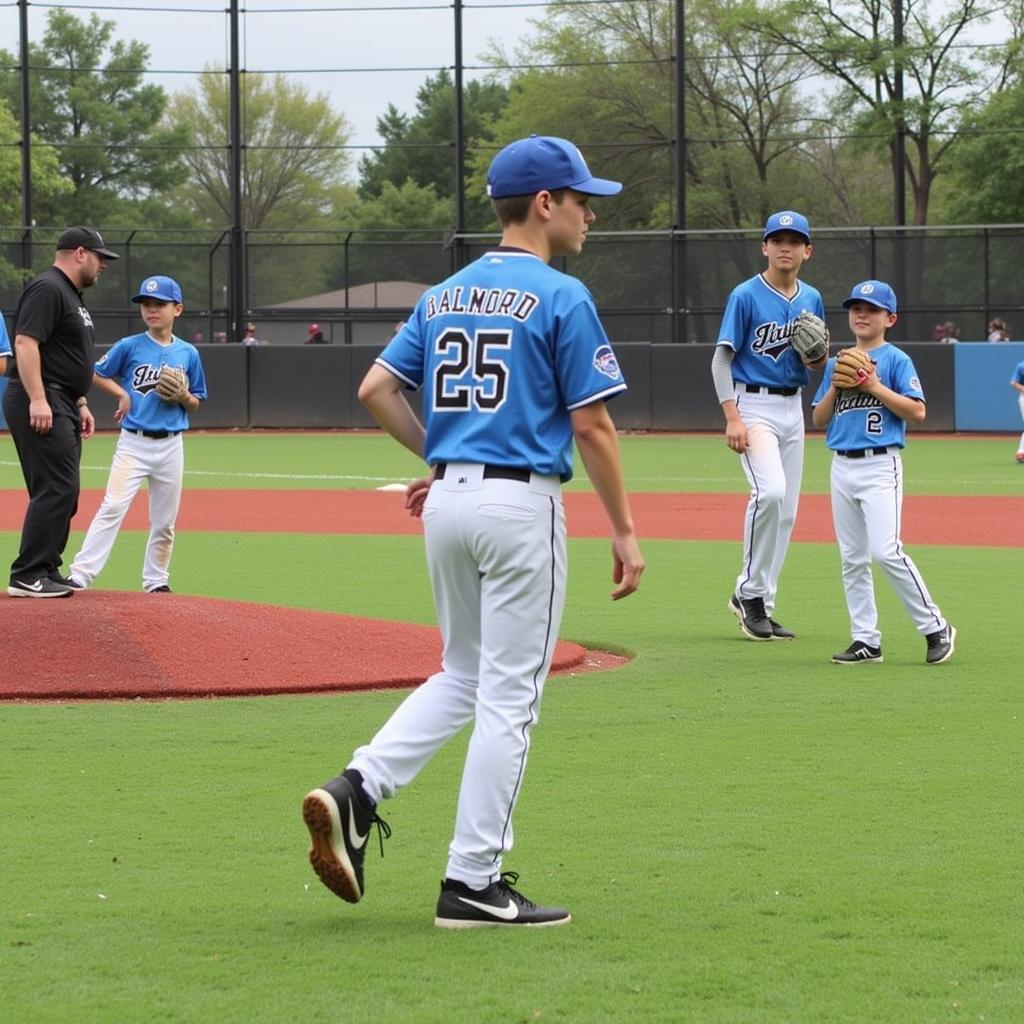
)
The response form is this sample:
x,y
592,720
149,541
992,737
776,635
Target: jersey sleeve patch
x,y
606,363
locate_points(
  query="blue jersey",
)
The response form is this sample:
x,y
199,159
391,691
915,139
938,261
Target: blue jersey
x,y
5,341
505,350
757,325
860,420
1018,374
135,363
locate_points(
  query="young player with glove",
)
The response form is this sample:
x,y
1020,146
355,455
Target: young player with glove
x,y
866,396
772,330
157,380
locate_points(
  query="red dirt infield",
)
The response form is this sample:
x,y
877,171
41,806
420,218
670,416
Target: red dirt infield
x,y
124,645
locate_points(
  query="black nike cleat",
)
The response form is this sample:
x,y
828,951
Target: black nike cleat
x,y
753,618
339,824
497,906
941,645
857,653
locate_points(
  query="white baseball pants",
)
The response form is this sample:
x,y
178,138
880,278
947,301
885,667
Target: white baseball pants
x,y
867,507
774,465
161,461
496,554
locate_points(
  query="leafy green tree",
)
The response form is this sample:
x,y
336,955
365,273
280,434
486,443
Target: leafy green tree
x,y
987,168
294,157
89,102
421,147
853,43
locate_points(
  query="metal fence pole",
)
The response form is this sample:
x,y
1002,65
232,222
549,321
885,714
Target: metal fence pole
x,y
237,303
26,138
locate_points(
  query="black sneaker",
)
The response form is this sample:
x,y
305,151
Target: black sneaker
x,y
941,645
498,905
339,824
780,632
42,587
857,652
753,618
66,581
161,590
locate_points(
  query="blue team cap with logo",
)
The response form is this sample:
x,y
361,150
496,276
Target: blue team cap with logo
x,y
543,162
787,220
877,293
165,289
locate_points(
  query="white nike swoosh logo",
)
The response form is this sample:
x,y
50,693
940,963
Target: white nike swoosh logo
x,y
354,838
507,913
37,586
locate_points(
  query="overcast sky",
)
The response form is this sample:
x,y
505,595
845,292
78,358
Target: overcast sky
x,y
306,39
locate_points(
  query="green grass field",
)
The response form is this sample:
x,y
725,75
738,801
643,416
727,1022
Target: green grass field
x,y
743,832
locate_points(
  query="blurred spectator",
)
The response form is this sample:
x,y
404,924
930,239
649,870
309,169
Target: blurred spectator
x,y
998,330
949,335
220,337
198,338
315,336
249,338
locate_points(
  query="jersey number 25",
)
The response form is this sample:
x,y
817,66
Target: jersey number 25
x,y
458,353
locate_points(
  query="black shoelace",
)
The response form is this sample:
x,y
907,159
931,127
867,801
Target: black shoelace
x,y
383,830
509,879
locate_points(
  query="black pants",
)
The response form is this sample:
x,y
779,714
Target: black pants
x,y
50,464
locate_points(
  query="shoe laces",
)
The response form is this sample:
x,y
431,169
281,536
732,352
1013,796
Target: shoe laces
x,y
383,831
754,607
507,881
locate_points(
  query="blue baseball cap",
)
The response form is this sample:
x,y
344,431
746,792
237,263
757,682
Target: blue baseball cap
x,y
877,293
166,289
787,220
543,162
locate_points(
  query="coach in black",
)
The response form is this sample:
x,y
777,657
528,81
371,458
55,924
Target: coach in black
x,y
45,405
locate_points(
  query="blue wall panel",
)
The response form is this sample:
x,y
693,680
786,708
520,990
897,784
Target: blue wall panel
x,y
984,398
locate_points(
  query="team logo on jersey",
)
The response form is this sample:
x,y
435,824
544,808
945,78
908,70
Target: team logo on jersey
x,y
772,339
606,363
145,377
84,314
915,384
850,400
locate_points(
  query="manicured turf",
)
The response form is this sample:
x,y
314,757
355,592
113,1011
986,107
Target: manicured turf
x,y
744,832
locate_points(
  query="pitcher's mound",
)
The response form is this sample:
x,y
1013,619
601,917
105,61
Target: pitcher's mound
x,y
103,644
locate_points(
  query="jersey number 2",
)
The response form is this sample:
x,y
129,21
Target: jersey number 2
x,y
459,351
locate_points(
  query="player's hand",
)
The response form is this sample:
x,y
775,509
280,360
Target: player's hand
x,y
627,565
124,406
736,435
817,364
40,415
88,422
416,494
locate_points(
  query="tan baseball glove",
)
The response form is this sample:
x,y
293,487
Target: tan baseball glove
x,y
853,367
172,384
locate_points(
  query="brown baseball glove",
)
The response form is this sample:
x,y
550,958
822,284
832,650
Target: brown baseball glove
x,y
172,384
853,367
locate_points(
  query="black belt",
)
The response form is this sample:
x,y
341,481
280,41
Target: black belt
x,y
757,389
859,453
492,473
158,434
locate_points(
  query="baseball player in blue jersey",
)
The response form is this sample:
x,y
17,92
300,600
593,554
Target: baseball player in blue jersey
x,y
5,346
1017,383
150,444
514,366
758,379
867,427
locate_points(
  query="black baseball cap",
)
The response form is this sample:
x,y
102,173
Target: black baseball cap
x,y
86,238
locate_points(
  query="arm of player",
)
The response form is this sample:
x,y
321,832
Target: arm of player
x,y
598,443
721,374
912,410
821,413
124,400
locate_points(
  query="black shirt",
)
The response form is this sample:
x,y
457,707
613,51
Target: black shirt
x,y
51,310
